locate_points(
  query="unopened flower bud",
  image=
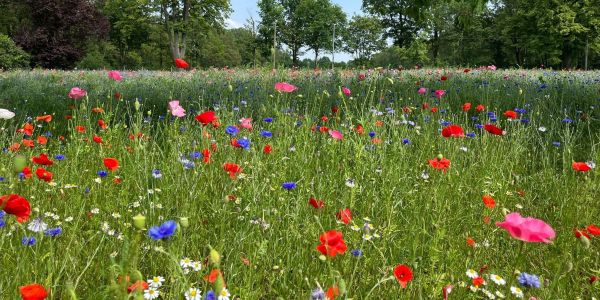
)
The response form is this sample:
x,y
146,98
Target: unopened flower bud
x,y
184,222
215,257
139,221
584,241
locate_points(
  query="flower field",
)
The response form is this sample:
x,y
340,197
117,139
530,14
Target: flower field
x,y
236,184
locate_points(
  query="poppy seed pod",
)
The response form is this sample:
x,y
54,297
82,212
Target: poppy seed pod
x,y
20,163
584,241
184,222
139,222
215,257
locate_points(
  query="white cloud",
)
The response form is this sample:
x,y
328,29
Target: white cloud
x,y
231,24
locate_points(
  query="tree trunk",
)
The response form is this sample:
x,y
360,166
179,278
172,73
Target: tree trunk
x,y
295,56
316,58
435,48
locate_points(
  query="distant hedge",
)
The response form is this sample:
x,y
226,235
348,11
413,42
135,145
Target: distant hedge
x,y
11,55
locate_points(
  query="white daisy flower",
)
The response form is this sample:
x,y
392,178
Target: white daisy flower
x,y
472,274
516,291
150,294
224,294
350,183
542,129
193,294
186,262
500,295
197,266
497,279
156,281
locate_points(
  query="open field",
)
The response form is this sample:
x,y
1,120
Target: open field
x,y
396,179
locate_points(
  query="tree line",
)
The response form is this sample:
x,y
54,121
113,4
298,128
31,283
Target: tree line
x,y
150,34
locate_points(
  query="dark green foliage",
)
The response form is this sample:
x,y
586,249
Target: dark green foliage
x,y
11,55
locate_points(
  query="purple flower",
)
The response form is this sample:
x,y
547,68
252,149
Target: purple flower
x,y
164,231
529,280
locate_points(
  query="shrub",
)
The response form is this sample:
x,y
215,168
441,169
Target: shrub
x,y
11,55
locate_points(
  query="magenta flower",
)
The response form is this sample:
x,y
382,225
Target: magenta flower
x,y
528,229
439,93
285,87
346,91
115,75
176,109
422,91
336,135
77,93
246,123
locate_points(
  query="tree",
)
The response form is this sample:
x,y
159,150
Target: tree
x,y
399,17
271,15
364,37
179,17
319,17
11,56
59,30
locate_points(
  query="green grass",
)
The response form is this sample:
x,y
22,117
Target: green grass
x,y
423,223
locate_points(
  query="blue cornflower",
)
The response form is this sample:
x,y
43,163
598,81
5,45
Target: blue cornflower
x,y
21,175
529,280
1,178
53,232
372,134
445,123
405,142
357,252
244,143
210,295
478,126
298,123
493,120
196,155
567,120
165,230
289,185
48,134
266,133
471,134
2,223
556,144
156,174
2,214
59,157
317,294
102,173
28,241
232,130
525,121
268,120
491,114
474,118
87,190
520,110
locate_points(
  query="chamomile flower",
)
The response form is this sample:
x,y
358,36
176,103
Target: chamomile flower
x,y
517,292
224,294
500,295
186,262
488,294
355,227
497,279
193,294
151,293
472,274
197,266
156,281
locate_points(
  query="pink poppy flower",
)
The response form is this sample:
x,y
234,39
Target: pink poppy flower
x,y
285,87
246,123
336,135
346,91
115,75
77,93
422,91
439,93
176,109
528,229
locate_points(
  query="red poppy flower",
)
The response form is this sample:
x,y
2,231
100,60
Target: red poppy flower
x,y
97,139
403,274
27,129
493,129
111,163
425,105
182,64
42,140
43,174
332,243
467,70
206,155
479,108
232,169
27,172
593,229
440,164
434,109
80,129
206,118
102,124
33,291
324,118
444,78
593,279
359,129
579,233
332,292
361,77
28,143
334,109
139,286
42,160
344,215
16,205
466,106
488,201
453,131
45,118
316,203
267,149
98,110
470,242
511,114
213,275
478,281
581,166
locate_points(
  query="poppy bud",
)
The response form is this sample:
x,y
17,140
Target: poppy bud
x,y
440,156
230,87
584,241
215,257
505,211
20,163
342,286
568,267
340,94
139,222
326,93
184,222
219,284
137,105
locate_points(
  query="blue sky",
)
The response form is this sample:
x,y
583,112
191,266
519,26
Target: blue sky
x,y
244,9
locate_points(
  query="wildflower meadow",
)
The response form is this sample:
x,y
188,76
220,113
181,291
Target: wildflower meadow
x,y
300,184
